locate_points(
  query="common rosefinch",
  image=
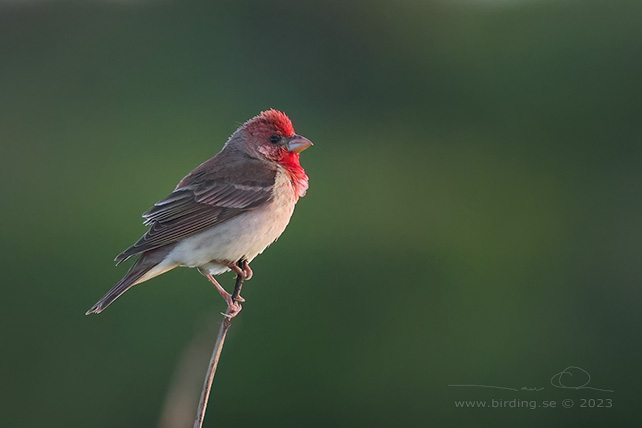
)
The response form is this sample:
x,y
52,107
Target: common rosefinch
x,y
226,211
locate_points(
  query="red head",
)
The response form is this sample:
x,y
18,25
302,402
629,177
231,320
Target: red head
x,y
270,135
272,121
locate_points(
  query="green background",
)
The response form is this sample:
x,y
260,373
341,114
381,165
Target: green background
x,y
474,212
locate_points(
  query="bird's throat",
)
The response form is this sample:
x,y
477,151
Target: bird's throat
x,y
296,173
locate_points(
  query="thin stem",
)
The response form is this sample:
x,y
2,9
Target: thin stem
x,y
216,353
239,281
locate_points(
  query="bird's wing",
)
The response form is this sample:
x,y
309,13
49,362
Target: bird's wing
x,y
216,191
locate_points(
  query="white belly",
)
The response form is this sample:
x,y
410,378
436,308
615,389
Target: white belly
x,y
244,236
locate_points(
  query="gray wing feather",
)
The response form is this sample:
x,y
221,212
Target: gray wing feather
x,y
201,202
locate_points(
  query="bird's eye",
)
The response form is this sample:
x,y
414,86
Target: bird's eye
x,y
275,139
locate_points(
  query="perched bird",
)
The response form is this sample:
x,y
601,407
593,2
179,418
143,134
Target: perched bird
x,y
226,211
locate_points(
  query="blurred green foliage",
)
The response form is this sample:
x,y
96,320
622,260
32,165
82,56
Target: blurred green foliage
x,y
474,213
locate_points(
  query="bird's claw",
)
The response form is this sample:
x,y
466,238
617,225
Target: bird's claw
x,y
233,308
245,273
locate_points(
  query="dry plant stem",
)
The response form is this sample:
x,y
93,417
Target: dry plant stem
x,y
216,353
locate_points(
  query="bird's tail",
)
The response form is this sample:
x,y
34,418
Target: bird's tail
x,y
146,267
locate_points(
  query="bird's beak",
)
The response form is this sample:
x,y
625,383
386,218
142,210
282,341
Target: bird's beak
x,y
298,143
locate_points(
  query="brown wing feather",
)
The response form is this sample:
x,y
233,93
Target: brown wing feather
x,y
216,191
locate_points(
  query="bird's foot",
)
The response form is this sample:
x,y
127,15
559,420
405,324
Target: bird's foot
x,y
224,294
245,273
228,298
248,271
233,308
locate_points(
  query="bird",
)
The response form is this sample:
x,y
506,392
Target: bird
x,y
225,212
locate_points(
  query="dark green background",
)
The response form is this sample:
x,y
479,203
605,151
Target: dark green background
x,y
474,212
